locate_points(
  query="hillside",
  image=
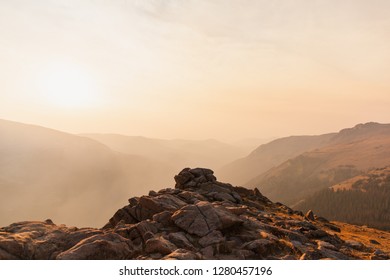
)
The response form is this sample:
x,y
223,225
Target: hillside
x,y
48,172
270,155
348,153
174,153
201,218
362,200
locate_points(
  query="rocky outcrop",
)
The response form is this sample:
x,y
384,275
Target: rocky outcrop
x,y
200,218
45,240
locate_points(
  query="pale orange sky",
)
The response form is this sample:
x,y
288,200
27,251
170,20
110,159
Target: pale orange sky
x,y
195,69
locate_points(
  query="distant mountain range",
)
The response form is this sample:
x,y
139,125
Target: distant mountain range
x,y
48,172
71,176
174,153
270,155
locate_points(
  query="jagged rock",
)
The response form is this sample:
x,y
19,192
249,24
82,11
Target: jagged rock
x,y
221,196
318,233
133,201
208,252
193,219
191,197
311,255
354,244
200,218
263,248
164,218
121,215
303,226
144,229
4,255
39,240
180,240
213,237
49,222
159,245
322,219
193,177
237,210
286,209
182,254
148,206
324,244
332,254
183,177
332,227
254,204
152,193
100,247
260,247
267,235
309,215
244,254
300,247
378,252
219,191
379,255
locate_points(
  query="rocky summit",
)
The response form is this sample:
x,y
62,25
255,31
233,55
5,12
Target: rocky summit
x,y
201,218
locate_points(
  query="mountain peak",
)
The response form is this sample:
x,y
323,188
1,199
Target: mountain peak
x,y
364,126
362,131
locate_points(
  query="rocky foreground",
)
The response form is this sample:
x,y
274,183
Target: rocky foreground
x,y
200,218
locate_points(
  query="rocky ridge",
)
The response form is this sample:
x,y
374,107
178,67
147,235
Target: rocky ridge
x,y
201,218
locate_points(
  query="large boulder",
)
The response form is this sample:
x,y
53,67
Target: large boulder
x,y
190,178
106,246
202,218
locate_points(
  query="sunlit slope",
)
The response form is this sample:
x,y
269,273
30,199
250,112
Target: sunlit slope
x,y
270,155
349,153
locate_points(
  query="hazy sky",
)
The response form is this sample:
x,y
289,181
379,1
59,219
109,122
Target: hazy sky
x,y
195,69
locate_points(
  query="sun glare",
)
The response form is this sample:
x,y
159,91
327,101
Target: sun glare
x,y
68,86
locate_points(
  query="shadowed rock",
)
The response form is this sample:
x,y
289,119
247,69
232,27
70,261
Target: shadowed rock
x,y
202,218
100,247
189,178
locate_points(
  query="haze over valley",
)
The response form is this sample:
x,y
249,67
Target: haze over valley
x,y
67,177
121,115
45,172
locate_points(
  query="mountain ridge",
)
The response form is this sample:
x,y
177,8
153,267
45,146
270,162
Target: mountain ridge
x,y
177,152
349,153
276,152
270,155
44,169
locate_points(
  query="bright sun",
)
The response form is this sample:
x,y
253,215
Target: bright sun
x,y
69,86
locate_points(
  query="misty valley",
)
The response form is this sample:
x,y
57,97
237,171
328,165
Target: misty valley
x,y
61,181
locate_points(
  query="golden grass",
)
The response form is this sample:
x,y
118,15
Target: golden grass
x,y
364,234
